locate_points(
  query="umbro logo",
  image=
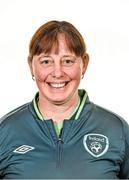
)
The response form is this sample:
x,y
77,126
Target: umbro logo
x,y
23,149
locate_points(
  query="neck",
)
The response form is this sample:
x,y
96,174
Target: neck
x,y
57,112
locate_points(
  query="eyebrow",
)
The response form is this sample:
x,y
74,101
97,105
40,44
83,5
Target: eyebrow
x,y
62,56
42,56
68,56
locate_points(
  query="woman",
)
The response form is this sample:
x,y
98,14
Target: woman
x,y
61,134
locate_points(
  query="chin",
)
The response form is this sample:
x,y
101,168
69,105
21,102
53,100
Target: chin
x,y
58,98
58,101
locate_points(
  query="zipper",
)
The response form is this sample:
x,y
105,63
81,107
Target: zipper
x,y
59,150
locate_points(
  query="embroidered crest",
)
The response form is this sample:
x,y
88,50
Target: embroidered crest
x,y
96,144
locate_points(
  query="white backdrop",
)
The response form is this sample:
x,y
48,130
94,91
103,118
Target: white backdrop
x,y
105,27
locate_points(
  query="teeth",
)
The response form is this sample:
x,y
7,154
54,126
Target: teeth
x,y
58,85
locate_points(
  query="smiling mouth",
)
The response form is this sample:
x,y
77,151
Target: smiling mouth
x,y
58,85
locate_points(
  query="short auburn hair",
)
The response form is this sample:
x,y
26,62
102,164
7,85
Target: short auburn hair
x,y
46,38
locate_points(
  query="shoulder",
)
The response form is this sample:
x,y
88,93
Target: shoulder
x,y
104,117
14,124
107,114
16,114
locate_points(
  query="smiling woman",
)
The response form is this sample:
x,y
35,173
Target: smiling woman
x,y
57,60
58,74
64,135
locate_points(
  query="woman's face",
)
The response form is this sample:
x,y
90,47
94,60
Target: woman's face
x,y
58,75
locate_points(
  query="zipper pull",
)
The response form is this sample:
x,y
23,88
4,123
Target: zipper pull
x,y
60,140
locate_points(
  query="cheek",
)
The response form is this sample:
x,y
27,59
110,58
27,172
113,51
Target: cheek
x,y
40,75
75,73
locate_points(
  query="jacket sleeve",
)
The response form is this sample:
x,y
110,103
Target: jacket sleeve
x,y
0,154
124,170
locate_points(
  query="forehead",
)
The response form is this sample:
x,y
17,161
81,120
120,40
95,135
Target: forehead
x,y
61,46
56,44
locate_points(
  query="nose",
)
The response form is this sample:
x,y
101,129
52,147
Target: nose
x,y
57,70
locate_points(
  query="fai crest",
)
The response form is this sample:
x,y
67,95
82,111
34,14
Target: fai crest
x,y
96,144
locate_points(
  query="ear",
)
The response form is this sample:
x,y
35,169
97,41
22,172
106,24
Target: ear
x,y
30,64
85,62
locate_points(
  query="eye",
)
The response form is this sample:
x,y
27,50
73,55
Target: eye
x,y
46,62
68,62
